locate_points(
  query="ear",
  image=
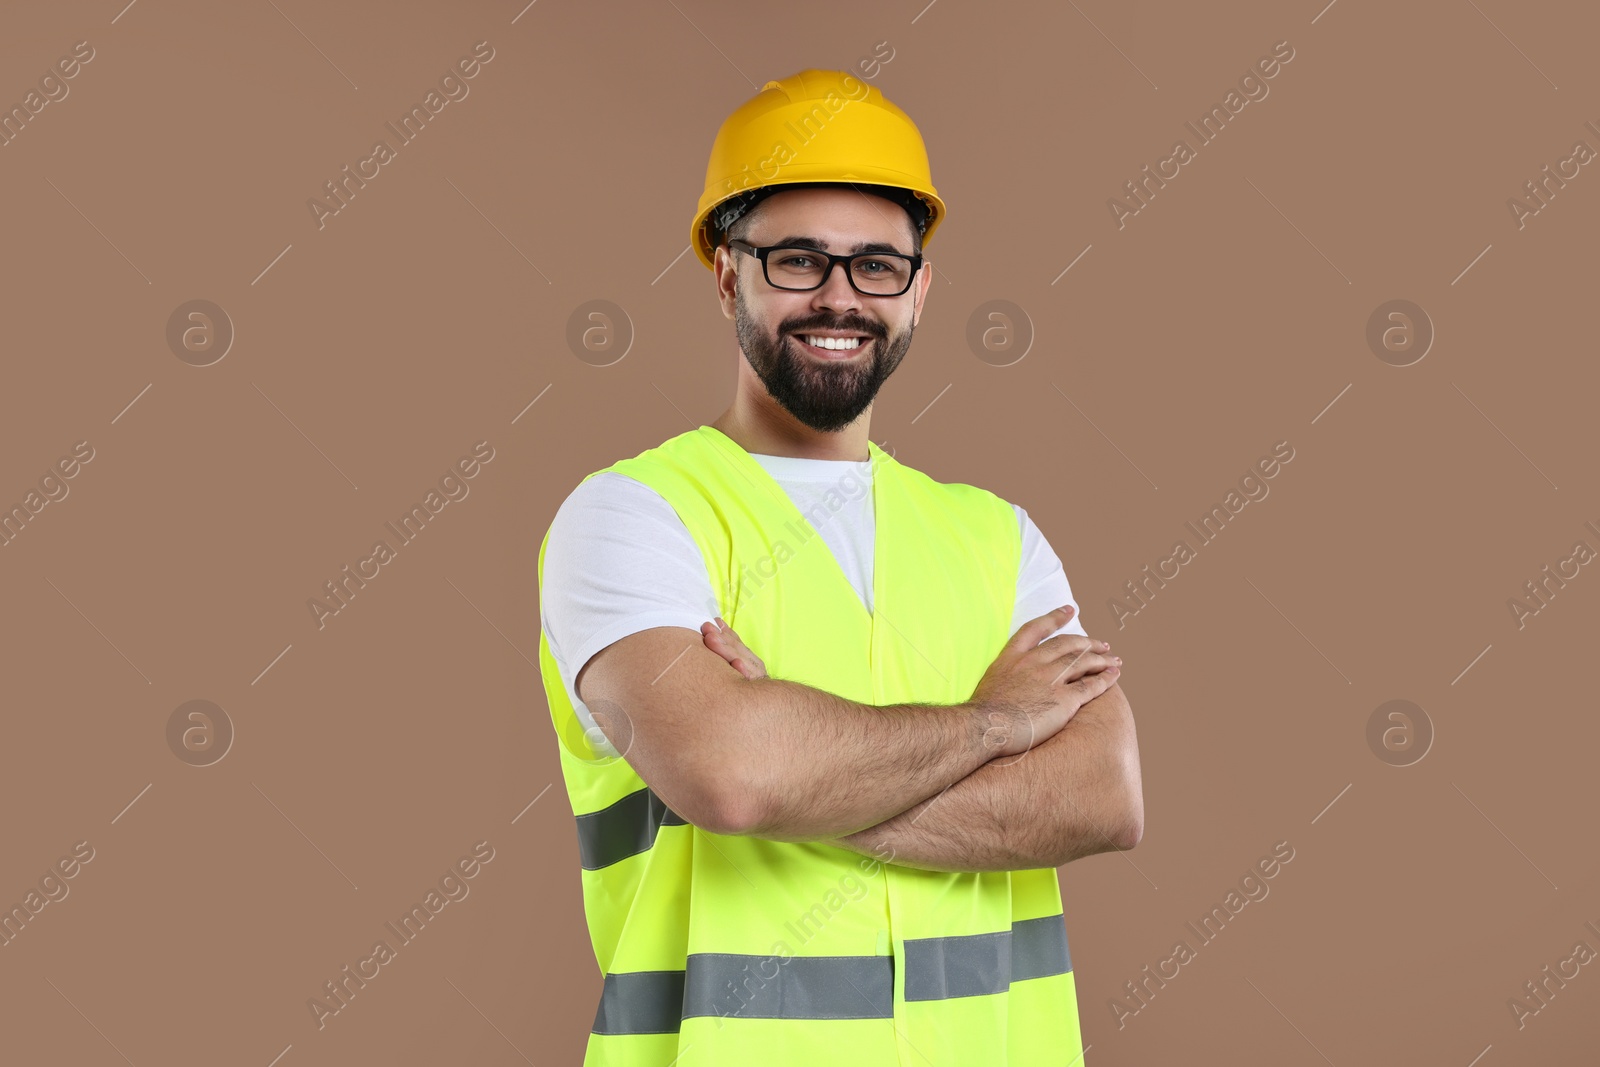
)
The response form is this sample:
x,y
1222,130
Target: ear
x,y
726,273
924,279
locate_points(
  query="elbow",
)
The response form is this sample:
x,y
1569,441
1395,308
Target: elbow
x,y
743,784
729,812
727,803
1132,831
1132,781
734,774
707,800
715,812
1133,816
718,775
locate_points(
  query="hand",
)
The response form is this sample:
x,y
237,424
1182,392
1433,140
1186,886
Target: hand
x,y
721,639
1035,686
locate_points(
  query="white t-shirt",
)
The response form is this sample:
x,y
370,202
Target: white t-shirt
x,y
620,560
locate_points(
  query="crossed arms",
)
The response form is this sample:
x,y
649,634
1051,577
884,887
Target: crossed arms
x,y
1077,794
941,787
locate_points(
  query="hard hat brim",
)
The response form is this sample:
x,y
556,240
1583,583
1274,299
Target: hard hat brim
x,y
705,238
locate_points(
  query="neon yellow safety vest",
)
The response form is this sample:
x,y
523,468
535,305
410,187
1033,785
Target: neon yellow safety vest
x,y
719,949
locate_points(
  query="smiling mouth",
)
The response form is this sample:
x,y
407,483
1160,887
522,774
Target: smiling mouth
x,y
835,348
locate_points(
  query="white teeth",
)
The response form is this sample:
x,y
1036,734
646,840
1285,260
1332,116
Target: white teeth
x,y
833,342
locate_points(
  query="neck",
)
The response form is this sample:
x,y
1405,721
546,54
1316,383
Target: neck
x,y
763,427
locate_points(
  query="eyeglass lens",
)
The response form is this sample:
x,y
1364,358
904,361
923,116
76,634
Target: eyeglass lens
x,y
801,268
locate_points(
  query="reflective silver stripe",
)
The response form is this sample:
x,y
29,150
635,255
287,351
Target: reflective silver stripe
x,y
740,986
971,965
796,987
734,985
1039,948
640,1002
623,829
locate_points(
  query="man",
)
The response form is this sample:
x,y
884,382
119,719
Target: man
x,y
825,730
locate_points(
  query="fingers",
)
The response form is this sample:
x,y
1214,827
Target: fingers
x,y
1092,685
1071,656
1083,664
1030,633
721,639
715,642
1071,653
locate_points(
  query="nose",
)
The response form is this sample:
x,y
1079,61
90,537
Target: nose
x,y
836,292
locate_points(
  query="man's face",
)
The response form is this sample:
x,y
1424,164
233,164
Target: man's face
x,y
825,390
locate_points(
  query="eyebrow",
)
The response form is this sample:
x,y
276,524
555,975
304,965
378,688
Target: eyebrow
x,y
801,241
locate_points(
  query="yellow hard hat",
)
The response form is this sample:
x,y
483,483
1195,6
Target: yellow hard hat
x,y
817,126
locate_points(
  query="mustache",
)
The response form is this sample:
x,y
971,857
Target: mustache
x,y
859,325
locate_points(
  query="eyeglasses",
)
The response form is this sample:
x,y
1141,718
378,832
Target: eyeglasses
x,y
804,269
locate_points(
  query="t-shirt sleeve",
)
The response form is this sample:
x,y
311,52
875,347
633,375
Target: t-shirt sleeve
x,y
1041,581
618,560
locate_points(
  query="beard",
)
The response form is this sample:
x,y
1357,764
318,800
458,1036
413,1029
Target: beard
x,y
826,396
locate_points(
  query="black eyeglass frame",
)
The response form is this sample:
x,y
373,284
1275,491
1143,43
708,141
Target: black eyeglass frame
x,y
848,261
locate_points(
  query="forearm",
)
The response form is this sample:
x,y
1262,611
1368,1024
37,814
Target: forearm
x,y
1076,794
809,765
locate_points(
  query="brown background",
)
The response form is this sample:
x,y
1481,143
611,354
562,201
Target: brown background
x,y
371,353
